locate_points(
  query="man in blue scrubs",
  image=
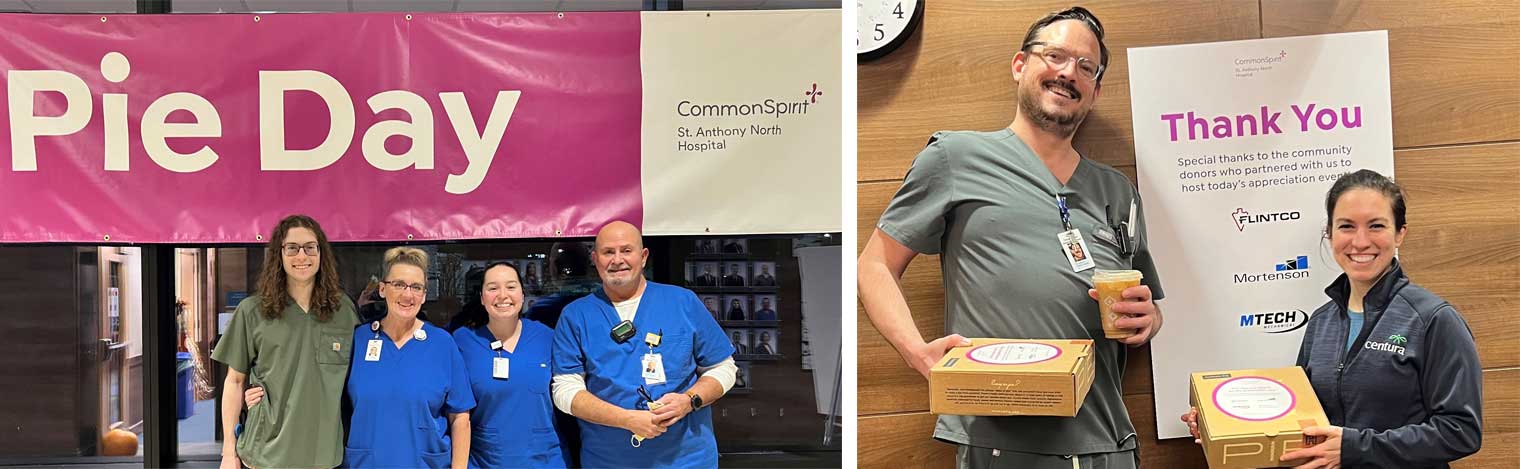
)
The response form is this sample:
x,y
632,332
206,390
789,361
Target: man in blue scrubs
x,y
605,375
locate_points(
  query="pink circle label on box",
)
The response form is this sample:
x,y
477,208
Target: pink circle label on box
x,y
1254,398
1013,353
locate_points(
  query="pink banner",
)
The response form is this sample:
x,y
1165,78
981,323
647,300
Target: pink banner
x,y
383,127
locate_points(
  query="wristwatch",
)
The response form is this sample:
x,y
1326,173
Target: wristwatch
x,y
696,400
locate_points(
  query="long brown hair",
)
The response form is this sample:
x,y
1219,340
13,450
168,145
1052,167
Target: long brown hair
x,y
326,297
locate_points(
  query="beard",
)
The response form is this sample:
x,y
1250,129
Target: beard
x,y
621,278
1063,125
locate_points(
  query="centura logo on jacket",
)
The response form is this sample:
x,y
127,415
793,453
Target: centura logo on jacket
x,y
1389,345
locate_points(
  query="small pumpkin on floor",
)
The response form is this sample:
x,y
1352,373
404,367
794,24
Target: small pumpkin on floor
x,y
118,442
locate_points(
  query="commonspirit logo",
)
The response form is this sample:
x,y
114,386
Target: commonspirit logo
x,y
1244,217
1280,57
773,107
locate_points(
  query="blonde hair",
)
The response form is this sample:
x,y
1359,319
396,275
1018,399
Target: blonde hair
x,y
404,255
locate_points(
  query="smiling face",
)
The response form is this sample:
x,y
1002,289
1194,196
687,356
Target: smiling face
x,y
1362,235
300,267
404,301
1057,98
502,294
620,255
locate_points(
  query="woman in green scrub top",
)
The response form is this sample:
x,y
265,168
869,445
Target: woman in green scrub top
x,y
293,339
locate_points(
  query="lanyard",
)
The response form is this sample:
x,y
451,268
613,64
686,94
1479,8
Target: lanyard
x,y
1065,213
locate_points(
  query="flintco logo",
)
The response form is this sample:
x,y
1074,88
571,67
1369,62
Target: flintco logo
x,y
1243,217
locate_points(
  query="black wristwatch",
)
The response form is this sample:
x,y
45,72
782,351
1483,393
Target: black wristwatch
x,y
696,400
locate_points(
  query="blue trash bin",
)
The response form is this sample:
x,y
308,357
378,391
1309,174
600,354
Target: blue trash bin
x,y
184,369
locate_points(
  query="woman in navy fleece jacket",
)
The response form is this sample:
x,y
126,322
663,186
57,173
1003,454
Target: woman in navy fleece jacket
x,y
1394,365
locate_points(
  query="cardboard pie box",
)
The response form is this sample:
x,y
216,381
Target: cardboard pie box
x,y
1249,418
1000,377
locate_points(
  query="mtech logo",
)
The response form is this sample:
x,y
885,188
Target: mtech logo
x,y
1275,322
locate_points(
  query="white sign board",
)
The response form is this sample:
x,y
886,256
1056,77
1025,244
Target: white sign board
x,y
1236,144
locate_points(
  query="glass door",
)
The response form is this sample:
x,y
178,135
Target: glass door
x,y
114,341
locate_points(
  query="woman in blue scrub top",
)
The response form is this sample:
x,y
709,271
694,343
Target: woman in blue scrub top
x,y
508,359
408,389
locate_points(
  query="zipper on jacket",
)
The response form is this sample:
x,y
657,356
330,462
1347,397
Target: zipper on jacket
x,y
1340,367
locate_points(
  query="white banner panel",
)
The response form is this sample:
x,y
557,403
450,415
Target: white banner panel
x,y
1236,144
741,130
820,266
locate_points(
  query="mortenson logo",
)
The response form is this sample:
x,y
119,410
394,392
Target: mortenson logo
x,y
1295,268
1275,322
1244,217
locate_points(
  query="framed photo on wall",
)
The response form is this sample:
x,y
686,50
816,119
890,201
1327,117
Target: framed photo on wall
x,y
714,306
736,307
740,339
765,308
765,341
735,274
764,275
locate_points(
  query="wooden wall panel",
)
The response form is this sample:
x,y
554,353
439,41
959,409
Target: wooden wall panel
x,y
900,441
954,74
1464,236
39,358
1453,63
1501,422
884,382
1176,453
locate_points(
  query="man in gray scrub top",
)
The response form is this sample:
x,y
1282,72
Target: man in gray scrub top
x,y
991,204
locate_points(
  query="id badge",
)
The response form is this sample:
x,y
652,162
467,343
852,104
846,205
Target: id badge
x,y
1076,250
499,367
654,369
372,353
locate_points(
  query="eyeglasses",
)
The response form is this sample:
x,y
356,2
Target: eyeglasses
x,y
292,248
1057,58
407,287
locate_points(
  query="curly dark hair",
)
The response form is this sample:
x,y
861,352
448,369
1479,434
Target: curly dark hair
x,y
326,297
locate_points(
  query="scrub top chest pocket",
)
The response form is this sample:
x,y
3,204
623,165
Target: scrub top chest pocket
x,y
675,352
1105,249
333,346
534,374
